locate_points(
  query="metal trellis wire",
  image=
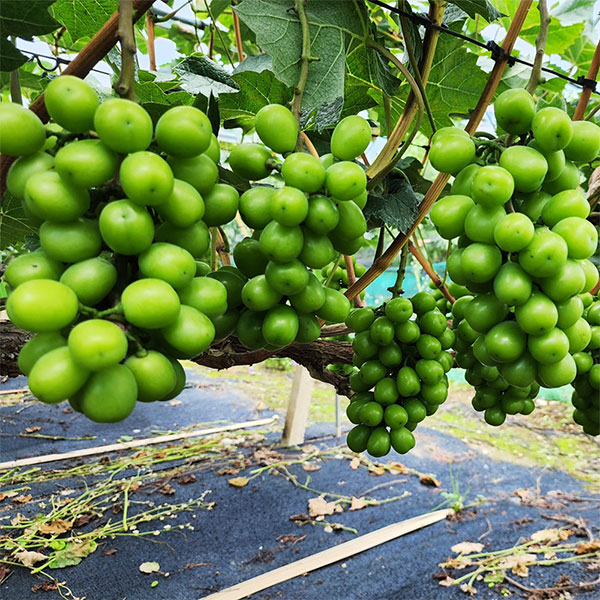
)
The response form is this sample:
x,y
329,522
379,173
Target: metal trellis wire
x,y
496,51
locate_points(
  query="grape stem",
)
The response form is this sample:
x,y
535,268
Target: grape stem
x,y
439,284
396,290
540,46
125,86
305,58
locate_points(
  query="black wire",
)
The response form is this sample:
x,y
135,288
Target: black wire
x,y
497,51
57,61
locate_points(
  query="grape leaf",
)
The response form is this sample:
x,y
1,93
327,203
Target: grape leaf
x,y
397,206
14,225
478,7
83,18
258,87
10,57
218,6
335,28
72,554
200,75
24,20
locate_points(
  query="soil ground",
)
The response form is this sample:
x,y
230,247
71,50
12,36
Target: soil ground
x,y
205,513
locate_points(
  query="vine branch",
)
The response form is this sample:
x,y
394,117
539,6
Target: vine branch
x,y
151,45
125,86
439,284
540,47
305,58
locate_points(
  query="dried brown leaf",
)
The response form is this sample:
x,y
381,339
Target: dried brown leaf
x,y
187,479
4,495
588,547
166,489
355,463
311,466
45,586
318,507
28,558
468,589
467,548
430,480
447,582
550,535
55,527
110,552
238,482
32,429
357,503
518,563
23,499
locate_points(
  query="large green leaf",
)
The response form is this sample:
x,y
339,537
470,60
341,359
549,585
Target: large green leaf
x,y
258,87
158,96
83,18
25,19
22,19
14,225
335,28
454,86
478,7
560,35
200,75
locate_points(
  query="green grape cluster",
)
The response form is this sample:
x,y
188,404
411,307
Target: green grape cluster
x,y
116,293
300,227
523,250
586,394
120,287
401,355
335,274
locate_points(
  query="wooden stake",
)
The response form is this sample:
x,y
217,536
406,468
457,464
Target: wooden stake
x,y
151,38
329,556
161,439
298,407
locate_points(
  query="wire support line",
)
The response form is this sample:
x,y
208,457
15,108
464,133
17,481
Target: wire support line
x,y
57,61
497,51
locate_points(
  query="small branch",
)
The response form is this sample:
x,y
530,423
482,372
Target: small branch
x,y
223,247
305,57
388,156
396,289
415,67
215,28
587,92
238,36
358,302
125,87
151,37
592,112
309,145
540,47
15,87
429,270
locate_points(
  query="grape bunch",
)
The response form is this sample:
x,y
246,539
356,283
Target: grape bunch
x,y
401,355
586,394
121,288
522,250
299,228
115,294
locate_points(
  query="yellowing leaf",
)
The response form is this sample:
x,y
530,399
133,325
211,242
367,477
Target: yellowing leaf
x,y
149,567
467,548
238,481
72,554
29,558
